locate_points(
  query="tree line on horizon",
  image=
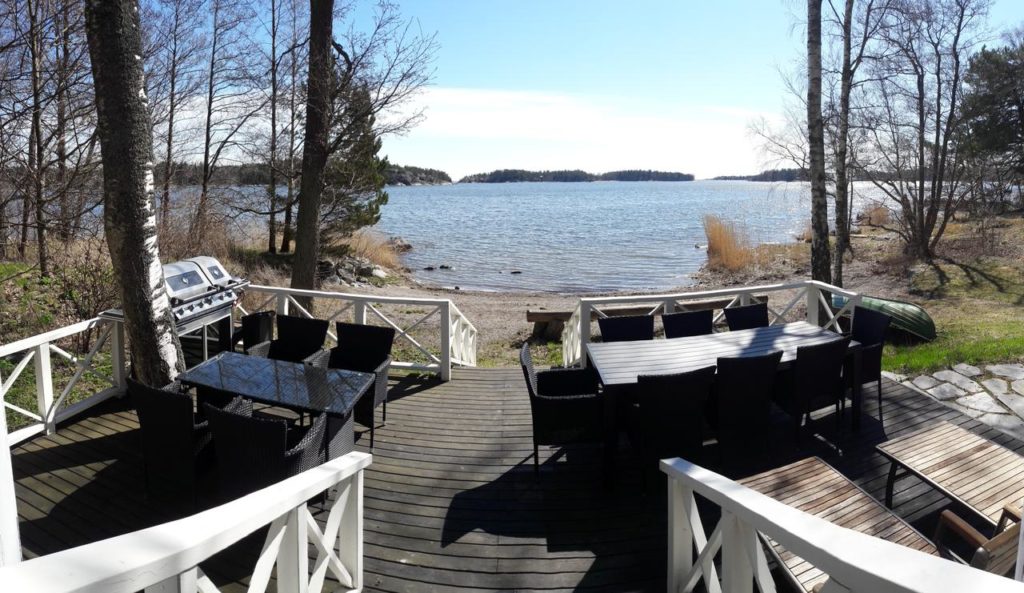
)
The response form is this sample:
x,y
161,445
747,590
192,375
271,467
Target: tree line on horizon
x,y
575,175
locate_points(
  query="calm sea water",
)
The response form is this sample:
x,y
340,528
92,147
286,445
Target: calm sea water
x,y
580,237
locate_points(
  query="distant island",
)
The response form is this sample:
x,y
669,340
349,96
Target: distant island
x,y
518,175
409,175
769,175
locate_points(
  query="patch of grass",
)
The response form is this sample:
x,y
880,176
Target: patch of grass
x,y
972,331
372,246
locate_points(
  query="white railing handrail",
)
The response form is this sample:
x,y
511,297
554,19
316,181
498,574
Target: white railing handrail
x,y
346,296
718,292
50,336
577,332
457,339
856,561
134,561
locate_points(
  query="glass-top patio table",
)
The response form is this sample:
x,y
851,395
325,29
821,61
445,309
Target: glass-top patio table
x,y
290,385
295,386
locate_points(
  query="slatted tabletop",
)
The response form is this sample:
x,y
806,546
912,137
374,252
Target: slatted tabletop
x,y
619,363
814,487
980,474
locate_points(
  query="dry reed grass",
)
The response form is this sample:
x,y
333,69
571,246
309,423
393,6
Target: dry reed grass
x,y
728,247
875,214
372,246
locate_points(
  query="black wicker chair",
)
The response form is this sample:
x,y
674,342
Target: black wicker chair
x,y
869,328
256,328
626,328
688,323
175,444
814,382
298,338
364,348
253,453
668,417
742,407
747,316
564,404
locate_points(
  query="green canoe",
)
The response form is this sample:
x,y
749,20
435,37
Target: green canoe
x,y
906,317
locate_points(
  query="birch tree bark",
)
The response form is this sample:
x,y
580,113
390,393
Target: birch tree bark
x,y
821,259
129,216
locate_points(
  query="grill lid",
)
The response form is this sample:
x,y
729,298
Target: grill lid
x,y
185,280
214,272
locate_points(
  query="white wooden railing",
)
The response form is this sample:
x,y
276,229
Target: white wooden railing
x,y
457,339
50,403
165,558
854,561
810,293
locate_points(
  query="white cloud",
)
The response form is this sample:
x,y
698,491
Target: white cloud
x,y
474,130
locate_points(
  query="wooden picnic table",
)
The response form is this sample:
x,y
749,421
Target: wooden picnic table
x,y
968,468
816,488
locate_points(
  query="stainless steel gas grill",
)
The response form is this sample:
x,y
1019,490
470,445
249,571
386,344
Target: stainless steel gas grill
x,y
202,294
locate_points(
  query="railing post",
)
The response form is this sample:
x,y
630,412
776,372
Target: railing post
x,y
10,537
737,571
668,307
446,341
584,333
293,557
117,355
349,546
812,303
359,312
44,386
282,304
186,582
680,536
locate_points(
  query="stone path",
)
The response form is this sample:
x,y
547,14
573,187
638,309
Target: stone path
x,y
993,394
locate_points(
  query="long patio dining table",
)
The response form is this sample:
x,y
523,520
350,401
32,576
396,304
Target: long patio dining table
x,y
619,363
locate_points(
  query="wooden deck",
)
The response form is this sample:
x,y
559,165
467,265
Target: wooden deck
x,y
451,500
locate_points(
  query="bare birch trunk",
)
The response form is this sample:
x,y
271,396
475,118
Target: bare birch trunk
x,y
129,216
821,264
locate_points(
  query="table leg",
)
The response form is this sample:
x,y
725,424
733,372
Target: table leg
x,y
858,391
611,397
890,483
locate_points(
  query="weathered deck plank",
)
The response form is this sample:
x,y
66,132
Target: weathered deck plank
x,y
451,501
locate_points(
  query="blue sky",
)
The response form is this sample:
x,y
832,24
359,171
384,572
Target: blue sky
x,y
601,85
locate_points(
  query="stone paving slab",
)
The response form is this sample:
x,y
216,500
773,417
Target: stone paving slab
x,y
982,402
996,386
945,391
959,380
1009,371
995,398
967,370
925,382
1013,401
1005,422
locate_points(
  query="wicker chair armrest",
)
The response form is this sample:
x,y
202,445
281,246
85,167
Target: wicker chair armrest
x,y
568,398
262,350
380,384
318,359
308,452
562,382
951,523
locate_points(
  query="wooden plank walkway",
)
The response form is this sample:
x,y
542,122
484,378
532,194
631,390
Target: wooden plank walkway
x,y
451,501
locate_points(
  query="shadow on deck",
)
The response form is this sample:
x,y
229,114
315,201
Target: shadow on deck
x,y
451,500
